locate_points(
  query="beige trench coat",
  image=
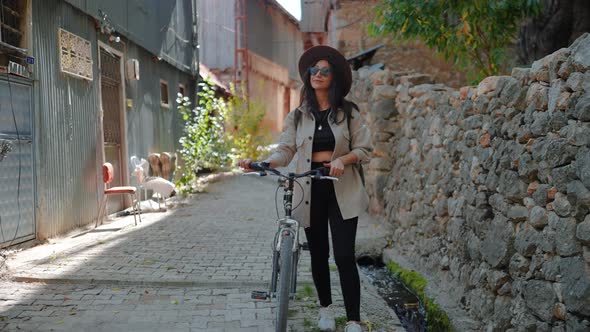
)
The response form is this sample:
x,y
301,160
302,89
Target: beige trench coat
x,y
350,193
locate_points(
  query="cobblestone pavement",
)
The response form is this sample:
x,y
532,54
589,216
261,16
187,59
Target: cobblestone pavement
x,y
191,268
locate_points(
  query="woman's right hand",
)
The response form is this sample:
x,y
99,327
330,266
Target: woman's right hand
x,y
245,164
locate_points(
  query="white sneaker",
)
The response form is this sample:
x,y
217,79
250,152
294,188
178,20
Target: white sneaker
x,y
353,327
327,322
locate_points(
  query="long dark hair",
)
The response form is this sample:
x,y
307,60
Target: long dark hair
x,y
335,96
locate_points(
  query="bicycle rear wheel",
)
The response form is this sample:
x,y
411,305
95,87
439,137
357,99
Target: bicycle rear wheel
x,y
283,293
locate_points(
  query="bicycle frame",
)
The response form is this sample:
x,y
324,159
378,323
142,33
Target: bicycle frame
x,y
286,224
288,230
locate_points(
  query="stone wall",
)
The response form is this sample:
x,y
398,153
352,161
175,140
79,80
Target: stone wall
x,y
488,187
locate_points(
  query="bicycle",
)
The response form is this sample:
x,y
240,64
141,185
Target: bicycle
x,y
285,246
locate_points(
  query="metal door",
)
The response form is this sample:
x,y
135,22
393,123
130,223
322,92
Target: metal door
x,y
17,195
111,94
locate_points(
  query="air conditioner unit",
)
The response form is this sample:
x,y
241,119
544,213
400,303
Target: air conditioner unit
x,y
133,70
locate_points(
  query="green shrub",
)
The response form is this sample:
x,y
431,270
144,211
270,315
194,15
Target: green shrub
x,y
244,125
204,144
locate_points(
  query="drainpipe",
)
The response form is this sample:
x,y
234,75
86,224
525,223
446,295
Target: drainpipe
x,y
195,18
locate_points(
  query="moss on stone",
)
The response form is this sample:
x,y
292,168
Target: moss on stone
x,y
436,319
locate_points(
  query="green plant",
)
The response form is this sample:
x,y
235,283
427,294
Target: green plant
x,y
472,33
204,144
309,325
245,128
341,321
305,292
436,319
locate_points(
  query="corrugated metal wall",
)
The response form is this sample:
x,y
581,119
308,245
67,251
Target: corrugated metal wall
x,y
163,27
151,127
66,131
217,33
68,142
17,191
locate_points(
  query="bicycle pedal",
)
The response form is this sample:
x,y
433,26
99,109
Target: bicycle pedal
x,y
259,295
305,246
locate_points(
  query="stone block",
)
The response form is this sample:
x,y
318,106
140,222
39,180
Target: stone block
x,y
382,137
383,109
583,231
583,165
538,96
563,100
540,298
579,196
526,241
582,108
521,74
580,53
518,213
577,133
538,217
557,120
416,79
561,176
565,235
380,164
519,266
553,94
496,248
540,70
557,152
512,187
540,125
576,285
550,271
496,279
578,82
561,205
491,84
381,92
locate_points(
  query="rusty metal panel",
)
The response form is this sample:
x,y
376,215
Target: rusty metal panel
x,y
17,195
66,130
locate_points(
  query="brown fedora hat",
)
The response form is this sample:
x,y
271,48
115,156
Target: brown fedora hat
x,y
323,52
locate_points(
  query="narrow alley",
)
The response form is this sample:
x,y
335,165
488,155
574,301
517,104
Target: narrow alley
x,y
189,269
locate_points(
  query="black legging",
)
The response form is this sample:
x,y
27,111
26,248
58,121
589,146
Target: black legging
x,y
324,207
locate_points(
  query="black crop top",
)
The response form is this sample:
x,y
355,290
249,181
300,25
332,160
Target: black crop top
x,y
323,139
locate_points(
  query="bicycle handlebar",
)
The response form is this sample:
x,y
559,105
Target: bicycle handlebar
x,y
262,167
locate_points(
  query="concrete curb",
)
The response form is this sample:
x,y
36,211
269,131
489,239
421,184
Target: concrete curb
x,y
259,285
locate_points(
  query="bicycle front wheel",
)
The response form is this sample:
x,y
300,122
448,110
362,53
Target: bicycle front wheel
x,y
283,293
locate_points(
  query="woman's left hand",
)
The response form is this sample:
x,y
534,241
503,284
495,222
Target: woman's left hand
x,y
336,167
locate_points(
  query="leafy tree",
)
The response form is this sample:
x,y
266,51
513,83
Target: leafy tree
x,y
474,33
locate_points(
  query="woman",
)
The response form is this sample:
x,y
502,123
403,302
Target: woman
x,y
327,130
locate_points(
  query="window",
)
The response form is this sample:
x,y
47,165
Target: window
x,y
14,31
164,96
181,90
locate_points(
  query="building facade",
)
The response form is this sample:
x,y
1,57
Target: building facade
x,y
258,42
88,82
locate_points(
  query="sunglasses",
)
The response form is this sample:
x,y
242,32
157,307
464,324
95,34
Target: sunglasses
x,y
325,71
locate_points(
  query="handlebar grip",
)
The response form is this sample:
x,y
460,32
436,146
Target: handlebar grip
x,y
259,165
323,171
